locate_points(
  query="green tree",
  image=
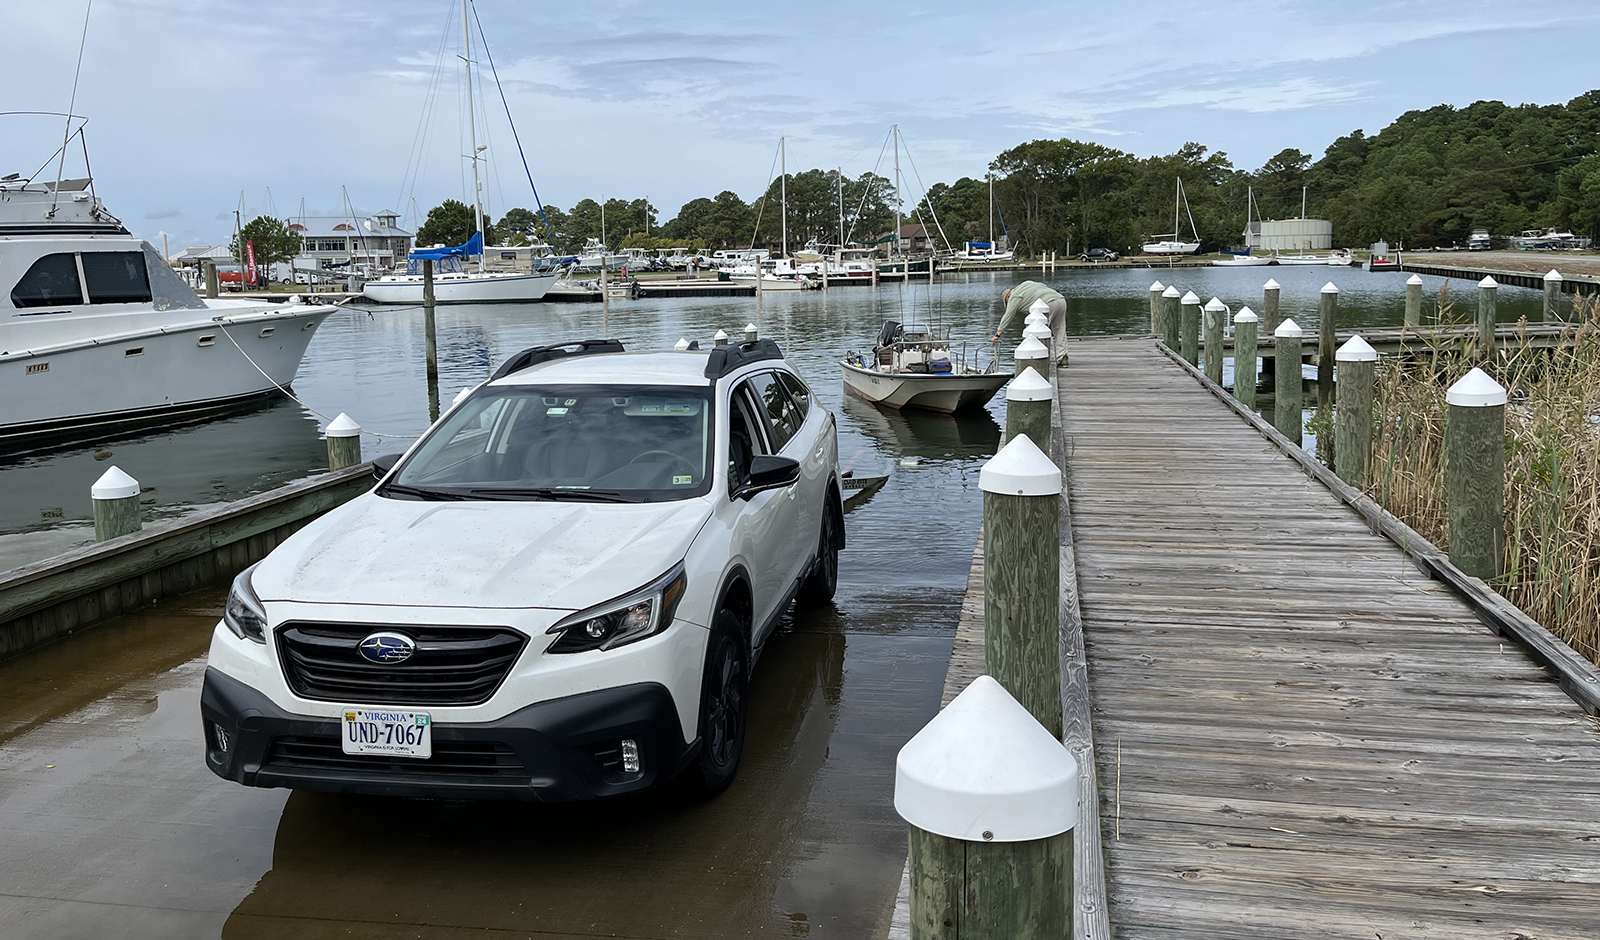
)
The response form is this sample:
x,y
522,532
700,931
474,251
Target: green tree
x,y
452,223
270,238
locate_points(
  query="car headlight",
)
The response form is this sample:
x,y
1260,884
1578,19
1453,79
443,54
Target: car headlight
x,y
243,613
626,619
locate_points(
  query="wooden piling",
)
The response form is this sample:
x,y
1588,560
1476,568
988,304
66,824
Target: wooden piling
x,y
1269,324
1352,429
1029,398
1189,329
1474,473
1022,577
1288,400
1245,324
1030,354
721,339
1215,312
750,332
1551,311
1169,318
1488,307
210,269
1155,307
1327,317
1414,300
116,505
344,442
430,339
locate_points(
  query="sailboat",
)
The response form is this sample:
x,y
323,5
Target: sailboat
x,y
453,282
1245,259
780,274
985,252
1168,244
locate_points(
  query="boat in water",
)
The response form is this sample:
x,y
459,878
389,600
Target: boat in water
x,y
453,283
913,367
97,331
1242,261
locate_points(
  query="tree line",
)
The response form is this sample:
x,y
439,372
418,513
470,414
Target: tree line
x,y
1428,179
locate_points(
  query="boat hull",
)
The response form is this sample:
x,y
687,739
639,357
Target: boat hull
x,y
943,393
1242,261
513,288
770,283
145,377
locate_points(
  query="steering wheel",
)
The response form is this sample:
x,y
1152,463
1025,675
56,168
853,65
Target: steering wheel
x,y
677,458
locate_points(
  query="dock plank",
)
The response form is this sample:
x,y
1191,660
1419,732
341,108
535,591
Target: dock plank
x,y
1298,732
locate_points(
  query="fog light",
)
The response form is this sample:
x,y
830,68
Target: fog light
x,y
630,756
224,742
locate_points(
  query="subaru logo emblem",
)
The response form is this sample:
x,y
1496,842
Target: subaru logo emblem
x,y
387,649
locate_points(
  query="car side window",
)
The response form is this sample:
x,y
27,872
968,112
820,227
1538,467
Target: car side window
x,y
782,417
798,392
745,439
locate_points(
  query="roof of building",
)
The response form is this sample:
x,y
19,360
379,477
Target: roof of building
x,y
339,226
913,230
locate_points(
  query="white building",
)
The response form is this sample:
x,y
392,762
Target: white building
x,y
338,241
1289,235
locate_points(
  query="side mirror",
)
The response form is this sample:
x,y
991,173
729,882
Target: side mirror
x,y
769,472
383,464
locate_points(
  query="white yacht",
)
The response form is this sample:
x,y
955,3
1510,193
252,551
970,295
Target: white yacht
x,y
97,331
453,283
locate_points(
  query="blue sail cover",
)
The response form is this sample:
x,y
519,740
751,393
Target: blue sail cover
x,y
472,248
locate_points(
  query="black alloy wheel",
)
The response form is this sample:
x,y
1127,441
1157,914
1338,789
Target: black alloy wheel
x,y
724,704
823,580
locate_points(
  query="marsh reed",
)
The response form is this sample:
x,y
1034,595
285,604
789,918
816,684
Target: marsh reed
x,y
1552,514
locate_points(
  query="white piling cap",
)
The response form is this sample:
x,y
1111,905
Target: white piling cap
x,y
1246,315
1356,349
721,334
114,484
1215,305
681,344
1170,292
1414,279
1288,328
1040,306
343,426
1329,288
1020,469
1030,348
1488,282
1190,298
1270,285
1156,287
1036,318
985,770
1476,390
1037,330
749,327
1029,386
1554,275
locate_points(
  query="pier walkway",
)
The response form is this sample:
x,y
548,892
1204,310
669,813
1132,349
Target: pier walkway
x,y
1297,733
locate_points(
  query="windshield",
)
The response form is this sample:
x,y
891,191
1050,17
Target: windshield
x,y
608,443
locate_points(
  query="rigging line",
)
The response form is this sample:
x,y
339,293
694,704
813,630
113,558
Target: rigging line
x,y
414,156
47,160
549,233
66,132
934,212
761,205
866,187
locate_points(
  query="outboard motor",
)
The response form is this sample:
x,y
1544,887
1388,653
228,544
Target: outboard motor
x,y
890,333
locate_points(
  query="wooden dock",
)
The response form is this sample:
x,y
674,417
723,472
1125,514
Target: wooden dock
x,y
1422,340
1534,280
1298,733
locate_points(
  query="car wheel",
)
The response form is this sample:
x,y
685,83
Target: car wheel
x,y
724,704
824,578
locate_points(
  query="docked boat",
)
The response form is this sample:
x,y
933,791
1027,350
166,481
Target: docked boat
x,y
1170,243
912,367
453,283
988,252
97,331
1242,261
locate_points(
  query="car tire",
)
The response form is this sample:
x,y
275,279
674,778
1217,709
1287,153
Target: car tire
x,y
724,704
823,580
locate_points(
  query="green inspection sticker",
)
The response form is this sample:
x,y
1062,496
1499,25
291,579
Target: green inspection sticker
x,y
681,480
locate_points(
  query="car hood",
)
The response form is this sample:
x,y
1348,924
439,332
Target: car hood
x,y
564,555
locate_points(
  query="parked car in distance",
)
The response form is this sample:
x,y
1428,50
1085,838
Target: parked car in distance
x,y
557,593
1099,254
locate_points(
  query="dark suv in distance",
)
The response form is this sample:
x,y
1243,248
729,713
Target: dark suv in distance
x,y
1099,254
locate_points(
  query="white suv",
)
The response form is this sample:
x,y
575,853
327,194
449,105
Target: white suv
x,y
558,592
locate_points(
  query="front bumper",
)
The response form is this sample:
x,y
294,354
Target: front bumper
x,y
563,749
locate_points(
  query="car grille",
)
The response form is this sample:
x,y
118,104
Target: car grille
x,y
451,665
450,758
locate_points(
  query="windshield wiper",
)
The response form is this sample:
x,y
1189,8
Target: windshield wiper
x,y
419,492
553,493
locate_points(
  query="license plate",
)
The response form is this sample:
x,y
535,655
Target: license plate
x,y
387,732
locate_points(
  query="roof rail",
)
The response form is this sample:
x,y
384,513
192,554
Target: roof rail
x,y
725,359
534,355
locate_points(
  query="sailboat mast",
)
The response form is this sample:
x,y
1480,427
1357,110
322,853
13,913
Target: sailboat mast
x,y
1303,202
841,208
783,189
472,128
991,212
895,245
1177,196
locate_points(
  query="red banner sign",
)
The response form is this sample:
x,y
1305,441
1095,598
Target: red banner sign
x,y
250,259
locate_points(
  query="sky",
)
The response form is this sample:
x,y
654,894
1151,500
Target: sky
x,y
198,108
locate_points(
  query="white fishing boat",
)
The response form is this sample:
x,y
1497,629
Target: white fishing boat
x,y
1169,243
912,367
97,331
596,255
775,275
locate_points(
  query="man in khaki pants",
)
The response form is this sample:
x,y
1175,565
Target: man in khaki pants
x,y
1018,299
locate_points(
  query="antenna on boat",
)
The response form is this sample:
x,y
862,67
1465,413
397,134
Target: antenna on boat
x,y
66,133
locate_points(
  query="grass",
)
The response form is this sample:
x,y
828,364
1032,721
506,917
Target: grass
x,y
1551,558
